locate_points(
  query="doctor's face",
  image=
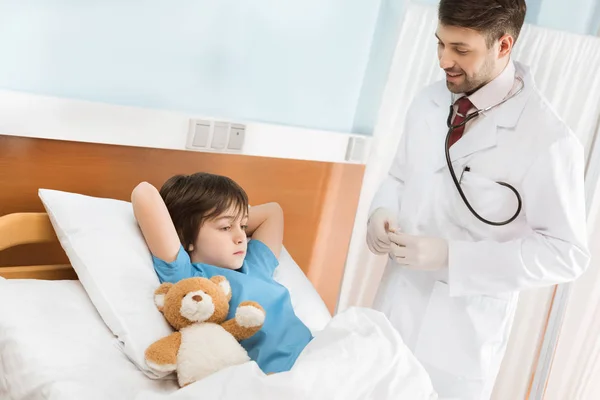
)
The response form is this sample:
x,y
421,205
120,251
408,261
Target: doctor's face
x,y
465,57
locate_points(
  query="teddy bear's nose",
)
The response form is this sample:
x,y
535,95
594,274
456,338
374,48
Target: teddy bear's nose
x,y
197,298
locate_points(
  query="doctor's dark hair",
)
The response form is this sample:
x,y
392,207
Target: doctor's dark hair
x,y
200,197
492,18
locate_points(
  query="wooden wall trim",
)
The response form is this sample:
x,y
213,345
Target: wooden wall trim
x,y
319,199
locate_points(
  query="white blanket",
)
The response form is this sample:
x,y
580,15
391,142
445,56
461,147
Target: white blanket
x,y
54,346
358,355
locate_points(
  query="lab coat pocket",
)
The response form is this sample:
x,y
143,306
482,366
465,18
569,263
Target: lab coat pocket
x,y
462,336
489,199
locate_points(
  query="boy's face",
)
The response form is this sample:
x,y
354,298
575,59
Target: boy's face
x,y
222,241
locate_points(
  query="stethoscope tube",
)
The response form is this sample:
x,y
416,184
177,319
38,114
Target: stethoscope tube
x,y
457,182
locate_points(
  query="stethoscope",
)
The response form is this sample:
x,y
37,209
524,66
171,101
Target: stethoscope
x,y
468,118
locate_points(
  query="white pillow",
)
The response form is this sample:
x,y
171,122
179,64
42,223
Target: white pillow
x,y
107,251
307,303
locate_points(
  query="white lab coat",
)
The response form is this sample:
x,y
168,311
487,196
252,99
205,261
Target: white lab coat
x,y
457,321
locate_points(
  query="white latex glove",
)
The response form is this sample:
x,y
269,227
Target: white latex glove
x,y
381,223
419,252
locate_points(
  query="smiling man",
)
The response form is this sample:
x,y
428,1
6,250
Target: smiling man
x,y
461,249
469,47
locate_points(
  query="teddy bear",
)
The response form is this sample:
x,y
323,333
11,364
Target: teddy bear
x,y
203,342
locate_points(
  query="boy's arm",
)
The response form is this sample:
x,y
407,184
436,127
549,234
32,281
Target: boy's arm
x,y
265,223
155,222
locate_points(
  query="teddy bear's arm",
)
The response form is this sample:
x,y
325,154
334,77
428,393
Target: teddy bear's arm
x,y
249,318
162,355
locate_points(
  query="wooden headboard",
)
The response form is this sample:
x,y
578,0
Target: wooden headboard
x,y
319,199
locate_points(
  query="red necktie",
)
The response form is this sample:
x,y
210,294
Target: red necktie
x,y
464,105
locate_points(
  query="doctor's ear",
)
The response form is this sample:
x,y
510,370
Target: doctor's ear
x,y
506,44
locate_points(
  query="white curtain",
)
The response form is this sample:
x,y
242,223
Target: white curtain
x,y
567,71
566,68
575,368
576,365
413,66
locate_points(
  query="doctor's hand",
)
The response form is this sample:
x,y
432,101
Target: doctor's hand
x,y
419,252
381,223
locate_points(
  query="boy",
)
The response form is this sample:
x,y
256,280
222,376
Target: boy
x,y
198,225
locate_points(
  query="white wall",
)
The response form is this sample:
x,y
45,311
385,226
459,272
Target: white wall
x,y
577,16
32,115
389,23
293,62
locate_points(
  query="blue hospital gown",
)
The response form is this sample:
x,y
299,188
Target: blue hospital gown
x,y
283,336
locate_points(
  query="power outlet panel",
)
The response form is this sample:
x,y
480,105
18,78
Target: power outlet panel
x,y
210,135
356,150
236,137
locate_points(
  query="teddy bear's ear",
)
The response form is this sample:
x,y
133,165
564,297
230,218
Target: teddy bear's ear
x,y
223,284
159,295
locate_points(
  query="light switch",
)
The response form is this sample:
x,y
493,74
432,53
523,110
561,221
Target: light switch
x,y
236,137
355,151
201,133
219,138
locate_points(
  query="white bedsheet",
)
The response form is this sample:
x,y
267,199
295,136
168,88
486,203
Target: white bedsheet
x,y
54,345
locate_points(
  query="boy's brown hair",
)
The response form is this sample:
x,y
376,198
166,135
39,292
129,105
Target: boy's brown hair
x,y
491,18
194,199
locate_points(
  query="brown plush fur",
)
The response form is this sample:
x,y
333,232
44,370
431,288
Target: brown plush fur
x,y
164,351
240,332
175,293
168,298
219,279
162,290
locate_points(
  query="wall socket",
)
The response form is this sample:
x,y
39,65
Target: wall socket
x,y
211,135
356,150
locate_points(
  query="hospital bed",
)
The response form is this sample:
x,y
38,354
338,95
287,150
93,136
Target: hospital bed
x,y
54,342
76,279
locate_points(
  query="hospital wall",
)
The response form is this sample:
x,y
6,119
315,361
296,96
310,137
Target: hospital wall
x,y
136,74
317,64
389,23
302,63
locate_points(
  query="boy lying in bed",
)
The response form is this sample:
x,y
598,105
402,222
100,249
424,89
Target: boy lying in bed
x,y
198,225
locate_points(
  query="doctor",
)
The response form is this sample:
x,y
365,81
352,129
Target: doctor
x,y
452,280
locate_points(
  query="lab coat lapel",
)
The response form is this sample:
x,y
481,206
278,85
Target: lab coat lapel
x,y
436,118
483,133
481,136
